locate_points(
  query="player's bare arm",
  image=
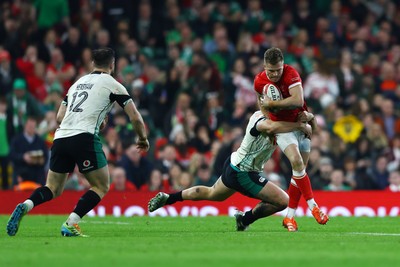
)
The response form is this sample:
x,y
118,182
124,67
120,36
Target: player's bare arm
x,y
138,124
274,127
295,100
61,112
306,116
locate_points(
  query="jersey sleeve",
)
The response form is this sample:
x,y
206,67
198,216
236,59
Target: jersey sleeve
x,y
258,84
292,77
119,89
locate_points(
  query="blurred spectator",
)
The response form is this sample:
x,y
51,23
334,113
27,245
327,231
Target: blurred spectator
x,y
204,176
167,158
72,45
272,175
177,112
350,172
337,182
8,72
394,154
52,13
137,168
243,84
76,181
202,139
47,128
146,28
321,84
326,169
29,154
389,121
54,97
47,44
174,174
4,146
379,172
20,105
61,71
184,150
349,81
185,180
377,137
119,181
394,182
213,111
157,182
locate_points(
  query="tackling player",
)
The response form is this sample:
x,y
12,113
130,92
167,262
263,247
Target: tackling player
x,y
76,141
295,145
241,173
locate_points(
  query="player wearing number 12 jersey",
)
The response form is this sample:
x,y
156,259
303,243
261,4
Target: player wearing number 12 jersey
x,y
295,145
77,142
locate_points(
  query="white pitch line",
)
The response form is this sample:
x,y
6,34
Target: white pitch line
x,y
105,222
375,234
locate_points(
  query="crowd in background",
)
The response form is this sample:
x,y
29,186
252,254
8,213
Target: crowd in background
x,y
189,66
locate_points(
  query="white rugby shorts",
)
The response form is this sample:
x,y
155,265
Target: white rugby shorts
x,y
296,137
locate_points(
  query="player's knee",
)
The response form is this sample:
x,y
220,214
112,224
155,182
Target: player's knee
x,y
297,163
56,190
281,205
282,202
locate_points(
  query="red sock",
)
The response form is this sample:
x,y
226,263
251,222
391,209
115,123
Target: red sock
x,y
305,186
294,196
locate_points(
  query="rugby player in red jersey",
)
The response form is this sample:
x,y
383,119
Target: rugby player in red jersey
x,y
295,145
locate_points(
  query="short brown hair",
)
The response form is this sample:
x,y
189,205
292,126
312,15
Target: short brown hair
x,y
273,56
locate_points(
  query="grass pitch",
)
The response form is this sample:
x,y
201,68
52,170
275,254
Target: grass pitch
x,y
202,241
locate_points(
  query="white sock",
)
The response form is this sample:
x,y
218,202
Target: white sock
x,y
73,219
29,204
311,203
290,213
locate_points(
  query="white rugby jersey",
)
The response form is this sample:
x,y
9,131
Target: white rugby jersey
x,y
88,104
256,147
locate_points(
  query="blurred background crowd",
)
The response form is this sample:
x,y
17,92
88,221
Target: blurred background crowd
x,y
189,66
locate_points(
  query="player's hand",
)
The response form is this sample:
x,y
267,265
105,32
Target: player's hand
x,y
265,101
305,116
307,130
143,144
104,123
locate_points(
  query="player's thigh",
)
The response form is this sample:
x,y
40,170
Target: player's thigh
x,y
219,191
88,153
99,178
273,194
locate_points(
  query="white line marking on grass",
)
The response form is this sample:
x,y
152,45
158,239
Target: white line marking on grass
x,y
105,222
374,234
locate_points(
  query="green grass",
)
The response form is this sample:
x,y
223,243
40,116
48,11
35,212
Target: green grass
x,y
207,241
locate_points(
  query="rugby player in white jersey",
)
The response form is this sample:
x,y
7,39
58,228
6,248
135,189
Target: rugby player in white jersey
x,y
242,173
76,141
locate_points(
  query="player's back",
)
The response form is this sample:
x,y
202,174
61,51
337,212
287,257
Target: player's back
x,y
256,147
88,104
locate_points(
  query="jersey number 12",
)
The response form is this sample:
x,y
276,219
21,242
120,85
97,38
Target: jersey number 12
x,y
77,108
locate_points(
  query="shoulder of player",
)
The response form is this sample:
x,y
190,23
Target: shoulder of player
x,y
260,77
290,74
289,69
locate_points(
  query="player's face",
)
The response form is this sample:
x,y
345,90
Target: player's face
x,y
274,72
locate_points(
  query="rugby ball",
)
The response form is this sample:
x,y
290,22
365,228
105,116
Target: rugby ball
x,y
272,92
